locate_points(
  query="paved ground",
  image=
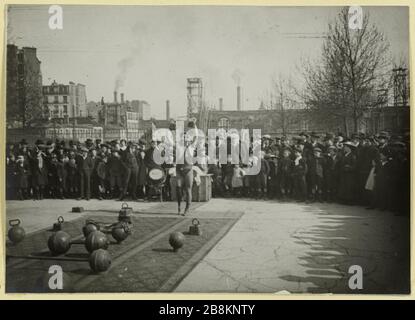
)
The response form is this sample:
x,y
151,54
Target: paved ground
x,y
276,247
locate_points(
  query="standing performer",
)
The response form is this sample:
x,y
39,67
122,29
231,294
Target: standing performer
x,y
184,172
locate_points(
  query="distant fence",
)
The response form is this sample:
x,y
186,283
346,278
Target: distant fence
x,y
29,134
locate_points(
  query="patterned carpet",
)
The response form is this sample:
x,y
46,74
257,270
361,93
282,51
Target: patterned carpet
x,y
144,262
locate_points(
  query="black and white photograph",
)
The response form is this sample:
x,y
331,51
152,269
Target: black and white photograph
x,y
207,149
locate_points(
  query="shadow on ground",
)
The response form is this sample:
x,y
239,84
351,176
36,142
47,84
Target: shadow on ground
x,y
378,242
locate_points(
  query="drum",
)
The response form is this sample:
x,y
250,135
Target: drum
x,y
156,176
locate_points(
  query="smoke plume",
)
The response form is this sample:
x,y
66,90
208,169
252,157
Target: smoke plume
x,y
138,40
237,76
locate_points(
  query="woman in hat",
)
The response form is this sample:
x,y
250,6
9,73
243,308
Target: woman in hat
x,y
347,179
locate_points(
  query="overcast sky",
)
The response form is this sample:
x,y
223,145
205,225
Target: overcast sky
x,y
150,51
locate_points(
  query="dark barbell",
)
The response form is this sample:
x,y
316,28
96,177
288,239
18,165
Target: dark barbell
x,y
99,260
118,230
60,242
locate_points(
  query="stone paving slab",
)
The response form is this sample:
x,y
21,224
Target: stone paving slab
x,y
301,248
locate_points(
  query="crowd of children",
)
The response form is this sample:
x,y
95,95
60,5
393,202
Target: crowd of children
x,y
361,170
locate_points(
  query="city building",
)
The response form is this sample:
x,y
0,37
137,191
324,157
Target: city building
x,y
92,109
24,86
142,107
60,100
119,119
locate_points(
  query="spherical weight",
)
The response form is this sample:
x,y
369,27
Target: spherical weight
x,y
16,233
176,240
59,243
96,240
100,260
120,232
88,228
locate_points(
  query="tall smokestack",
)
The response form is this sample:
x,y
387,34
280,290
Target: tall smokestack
x,y
220,104
238,98
115,96
122,97
167,110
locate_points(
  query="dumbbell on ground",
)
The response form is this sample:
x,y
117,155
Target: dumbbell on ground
x,y
60,242
99,260
119,230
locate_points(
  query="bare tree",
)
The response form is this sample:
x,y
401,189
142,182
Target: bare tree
x,y
283,98
354,65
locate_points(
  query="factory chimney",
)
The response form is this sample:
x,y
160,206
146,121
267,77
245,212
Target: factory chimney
x,y
115,96
220,104
238,98
167,110
122,97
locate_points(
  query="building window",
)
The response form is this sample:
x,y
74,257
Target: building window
x,y
65,109
65,99
223,123
56,100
